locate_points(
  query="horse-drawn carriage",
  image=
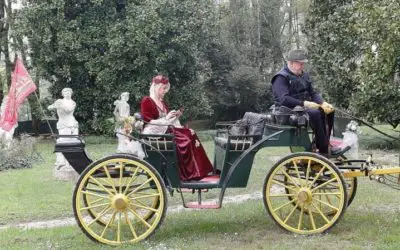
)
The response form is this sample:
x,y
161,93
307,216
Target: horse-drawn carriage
x,y
123,199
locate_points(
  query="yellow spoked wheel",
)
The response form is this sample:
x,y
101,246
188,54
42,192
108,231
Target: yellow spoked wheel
x,y
119,199
350,181
91,202
316,191
351,185
351,189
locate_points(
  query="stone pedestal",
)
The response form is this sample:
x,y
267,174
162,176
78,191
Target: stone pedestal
x,y
63,170
65,173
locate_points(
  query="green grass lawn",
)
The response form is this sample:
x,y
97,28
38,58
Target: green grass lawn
x,y
370,222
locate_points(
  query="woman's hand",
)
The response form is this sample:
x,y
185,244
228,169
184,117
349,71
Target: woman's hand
x,y
174,114
171,114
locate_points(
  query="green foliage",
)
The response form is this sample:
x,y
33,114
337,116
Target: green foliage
x,y
246,58
20,154
100,52
354,49
331,46
378,92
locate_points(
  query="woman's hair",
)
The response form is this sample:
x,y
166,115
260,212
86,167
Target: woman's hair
x,y
156,83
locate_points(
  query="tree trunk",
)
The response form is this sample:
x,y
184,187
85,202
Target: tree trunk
x,y
6,50
1,43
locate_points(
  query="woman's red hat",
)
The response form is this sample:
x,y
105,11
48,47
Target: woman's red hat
x,y
160,79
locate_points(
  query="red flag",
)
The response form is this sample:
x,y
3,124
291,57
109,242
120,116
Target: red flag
x,y
21,86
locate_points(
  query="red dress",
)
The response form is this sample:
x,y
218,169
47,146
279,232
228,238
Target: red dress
x,y
192,158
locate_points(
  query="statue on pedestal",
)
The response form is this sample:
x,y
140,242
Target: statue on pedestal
x,y
66,125
124,123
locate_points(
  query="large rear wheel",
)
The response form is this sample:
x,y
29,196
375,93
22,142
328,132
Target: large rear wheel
x,y
119,199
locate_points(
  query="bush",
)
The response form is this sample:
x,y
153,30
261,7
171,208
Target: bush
x,y
20,154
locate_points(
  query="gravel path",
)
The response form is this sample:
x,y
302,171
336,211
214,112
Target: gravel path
x,y
174,209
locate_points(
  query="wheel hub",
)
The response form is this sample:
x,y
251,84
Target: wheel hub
x,y
120,201
304,195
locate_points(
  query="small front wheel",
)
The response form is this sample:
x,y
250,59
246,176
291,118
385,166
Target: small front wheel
x,y
119,199
305,193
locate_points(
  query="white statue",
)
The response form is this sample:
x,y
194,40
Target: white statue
x,y
350,138
66,125
6,136
124,125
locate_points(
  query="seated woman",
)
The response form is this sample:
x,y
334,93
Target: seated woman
x,y
193,161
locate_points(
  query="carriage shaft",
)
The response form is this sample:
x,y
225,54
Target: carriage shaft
x,y
366,172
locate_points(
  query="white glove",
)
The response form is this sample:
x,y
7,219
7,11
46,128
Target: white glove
x,y
311,105
328,108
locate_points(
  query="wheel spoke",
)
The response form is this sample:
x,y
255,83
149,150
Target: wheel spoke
x,y
138,201
301,218
312,220
121,174
95,190
308,171
324,184
94,194
139,217
317,176
101,214
95,206
101,185
145,207
281,195
130,225
144,196
297,169
134,177
291,212
108,223
144,183
323,193
327,204
283,185
328,199
284,205
289,177
112,184
119,228
321,213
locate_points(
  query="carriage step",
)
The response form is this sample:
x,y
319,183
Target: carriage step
x,y
192,190
202,205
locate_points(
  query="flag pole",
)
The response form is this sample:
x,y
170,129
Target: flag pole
x,y
41,109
